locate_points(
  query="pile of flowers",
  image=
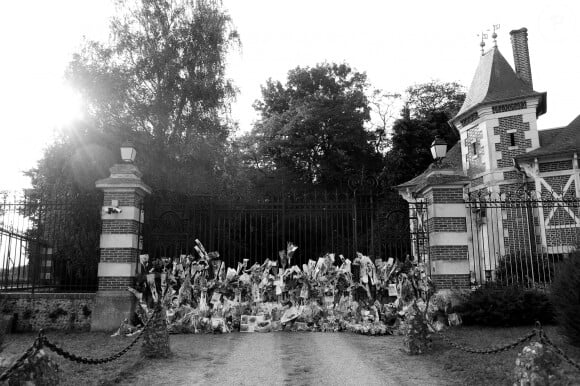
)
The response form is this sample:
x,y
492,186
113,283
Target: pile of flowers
x,y
201,295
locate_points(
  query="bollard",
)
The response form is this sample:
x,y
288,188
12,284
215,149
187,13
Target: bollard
x,y
38,369
156,336
536,365
417,337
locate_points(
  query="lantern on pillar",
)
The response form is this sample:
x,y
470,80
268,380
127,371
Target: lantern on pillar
x,y
438,148
128,152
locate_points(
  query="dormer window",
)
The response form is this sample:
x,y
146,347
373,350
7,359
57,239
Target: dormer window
x,y
474,148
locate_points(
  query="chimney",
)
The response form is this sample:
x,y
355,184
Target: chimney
x,y
522,55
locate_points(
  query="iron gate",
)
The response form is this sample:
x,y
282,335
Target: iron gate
x,y
518,238
373,224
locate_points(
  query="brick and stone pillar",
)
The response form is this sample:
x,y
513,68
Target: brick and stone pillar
x,y
448,237
119,244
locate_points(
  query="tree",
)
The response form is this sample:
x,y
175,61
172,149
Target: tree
x,y
383,107
435,96
161,82
312,129
426,114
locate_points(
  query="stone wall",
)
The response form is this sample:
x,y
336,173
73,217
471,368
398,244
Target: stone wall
x,y
48,311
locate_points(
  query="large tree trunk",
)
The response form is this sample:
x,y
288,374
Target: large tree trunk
x,y
156,336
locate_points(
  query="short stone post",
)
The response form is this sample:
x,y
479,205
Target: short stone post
x,y
121,216
538,366
156,336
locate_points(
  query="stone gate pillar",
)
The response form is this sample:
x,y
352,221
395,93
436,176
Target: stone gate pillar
x,y
121,216
440,189
448,237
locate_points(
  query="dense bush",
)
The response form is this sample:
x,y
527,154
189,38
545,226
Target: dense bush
x,y
528,269
508,306
565,296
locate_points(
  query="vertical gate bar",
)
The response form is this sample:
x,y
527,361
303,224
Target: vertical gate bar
x,y
261,235
286,226
471,205
493,243
272,233
354,224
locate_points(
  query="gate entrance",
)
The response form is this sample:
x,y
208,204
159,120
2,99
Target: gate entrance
x,y
375,224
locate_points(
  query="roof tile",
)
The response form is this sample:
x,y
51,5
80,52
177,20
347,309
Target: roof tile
x,y
494,81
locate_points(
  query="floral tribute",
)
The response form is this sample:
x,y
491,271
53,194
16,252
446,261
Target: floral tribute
x,y
201,295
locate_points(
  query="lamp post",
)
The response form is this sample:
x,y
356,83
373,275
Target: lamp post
x,y
128,152
438,148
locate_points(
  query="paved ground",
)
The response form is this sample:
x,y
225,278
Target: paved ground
x,y
290,359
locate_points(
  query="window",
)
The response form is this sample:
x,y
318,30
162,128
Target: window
x,y
512,139
474,148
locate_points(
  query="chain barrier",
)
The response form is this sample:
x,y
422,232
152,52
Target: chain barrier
x,y
493,350
545,340
538,330
94,361
42,340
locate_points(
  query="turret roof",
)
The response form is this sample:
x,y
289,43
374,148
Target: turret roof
x,y
495,81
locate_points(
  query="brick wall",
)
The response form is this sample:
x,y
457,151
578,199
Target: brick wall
x,y
555,166
474,157
114,283
447,224
448,252
120,226
563,237
558,183
119,255
511,175
518,222
446,195
451,281
477,181
49,311
124,198
514,122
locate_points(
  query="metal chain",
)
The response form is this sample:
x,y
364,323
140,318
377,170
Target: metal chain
x,y
94,361
494,350
544,339
36,345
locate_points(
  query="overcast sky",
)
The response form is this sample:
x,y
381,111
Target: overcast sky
x,y
396,43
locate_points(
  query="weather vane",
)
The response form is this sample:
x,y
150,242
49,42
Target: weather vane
x,y
494,35
482,44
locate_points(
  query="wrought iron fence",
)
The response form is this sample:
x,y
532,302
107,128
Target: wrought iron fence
x,y
373,224
49,245
518,238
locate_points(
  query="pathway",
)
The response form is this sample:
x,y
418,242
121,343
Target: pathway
x,y
288,358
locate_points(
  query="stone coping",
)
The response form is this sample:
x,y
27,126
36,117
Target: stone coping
x,y
47,295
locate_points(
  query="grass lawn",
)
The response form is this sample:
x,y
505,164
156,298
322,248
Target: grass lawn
x,y
468,369
493,369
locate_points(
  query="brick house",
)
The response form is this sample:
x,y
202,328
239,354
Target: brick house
x,y
501,155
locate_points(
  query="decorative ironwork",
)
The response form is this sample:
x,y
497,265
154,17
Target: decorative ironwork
x,y
519,236
49,245
373,223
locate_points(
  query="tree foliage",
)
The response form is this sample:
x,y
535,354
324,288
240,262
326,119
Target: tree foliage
x,y
383,115
312,128
426,114
425,99
160,81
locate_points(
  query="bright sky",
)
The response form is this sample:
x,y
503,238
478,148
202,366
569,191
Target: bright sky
x,y
397,43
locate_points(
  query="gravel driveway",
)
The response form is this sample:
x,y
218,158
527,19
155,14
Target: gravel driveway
x,y
289,358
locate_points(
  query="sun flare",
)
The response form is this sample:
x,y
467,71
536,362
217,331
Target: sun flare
x,y
65,107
